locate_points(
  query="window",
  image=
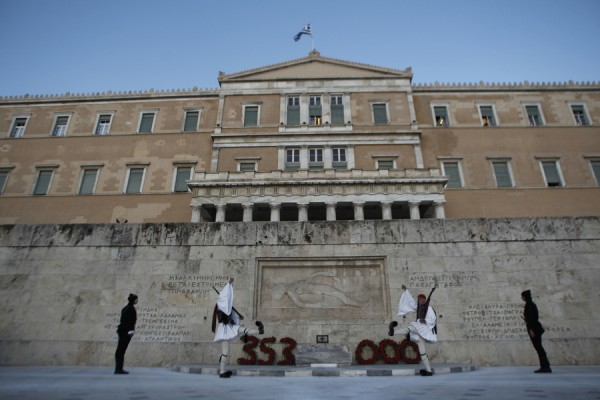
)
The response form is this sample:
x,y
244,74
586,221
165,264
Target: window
x,y
292,159
440,115
191,121
88,181
552,173
250,115
3,180
293,110
60,125
135,180
42,183
337,110
534,116
18,127
339,158
380,116
452,170
247,166
315,111
315,158
147,122
182,174
488,116
103,124
580,115
595,164
385,164
502,173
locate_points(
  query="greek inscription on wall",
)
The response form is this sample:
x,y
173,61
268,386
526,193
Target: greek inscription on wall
x,y
193,284
494,321
444,280
155,325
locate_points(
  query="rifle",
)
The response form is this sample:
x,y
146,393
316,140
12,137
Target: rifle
x,y
425,306
216,310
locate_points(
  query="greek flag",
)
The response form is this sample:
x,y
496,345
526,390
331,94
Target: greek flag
x,y
304,31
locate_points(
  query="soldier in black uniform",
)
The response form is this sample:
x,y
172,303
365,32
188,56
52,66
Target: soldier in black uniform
x,y
126,329
535,330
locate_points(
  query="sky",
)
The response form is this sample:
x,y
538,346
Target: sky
x,y
50,47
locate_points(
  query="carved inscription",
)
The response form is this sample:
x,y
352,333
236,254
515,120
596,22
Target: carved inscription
x,y
193,284
155,325
494,321
444,280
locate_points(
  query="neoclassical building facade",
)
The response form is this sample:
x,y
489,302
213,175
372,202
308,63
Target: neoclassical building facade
x,y
310,139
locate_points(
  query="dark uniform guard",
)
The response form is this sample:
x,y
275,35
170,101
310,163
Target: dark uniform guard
x,y
126,329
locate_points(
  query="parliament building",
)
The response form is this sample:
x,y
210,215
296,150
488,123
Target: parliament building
x,y
311,139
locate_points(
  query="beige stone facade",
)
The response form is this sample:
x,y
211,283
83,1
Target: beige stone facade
x,y
331,139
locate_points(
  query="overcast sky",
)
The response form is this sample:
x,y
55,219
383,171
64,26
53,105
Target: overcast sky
x,y
58,46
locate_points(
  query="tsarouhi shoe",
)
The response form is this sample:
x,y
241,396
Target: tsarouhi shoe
x,y
261,327
226,374
424,372
392,325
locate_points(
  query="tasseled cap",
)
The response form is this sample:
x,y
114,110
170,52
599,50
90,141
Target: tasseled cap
x,y
421,296
132,297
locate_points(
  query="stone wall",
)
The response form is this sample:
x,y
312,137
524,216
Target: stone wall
x,y
62,286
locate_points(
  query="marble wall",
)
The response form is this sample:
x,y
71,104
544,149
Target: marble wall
x,y
62,286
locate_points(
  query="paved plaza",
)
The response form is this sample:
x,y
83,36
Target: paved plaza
x,y
494,383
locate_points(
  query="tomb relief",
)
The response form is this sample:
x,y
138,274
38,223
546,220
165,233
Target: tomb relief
x,y
322,288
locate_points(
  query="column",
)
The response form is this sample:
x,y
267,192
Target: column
x,y
330,211
196,216
359,211
220,217
302,212
248,207
439,209
386,210
414,210
275,208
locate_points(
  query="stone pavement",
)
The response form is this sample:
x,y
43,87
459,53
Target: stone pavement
x,y
493,383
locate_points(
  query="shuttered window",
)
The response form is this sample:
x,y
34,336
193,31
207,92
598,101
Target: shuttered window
x,y
551,173
43,183
596,170
337,110
182,174
579,115
380,116
88,181
533,115
487,116
452,170
191,121
251,116
441,116
502,174
134,183
60,127
293,111
146,123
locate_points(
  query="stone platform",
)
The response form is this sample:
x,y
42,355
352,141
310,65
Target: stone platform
x,y
325,370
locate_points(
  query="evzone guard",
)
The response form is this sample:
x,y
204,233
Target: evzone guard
x,y
229,325
423,329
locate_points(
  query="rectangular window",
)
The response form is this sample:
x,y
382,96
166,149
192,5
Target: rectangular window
x,y
339,158
293,110
60,126
452,170
337,110
441,116
385,164
380,116
88,181
135,180
580,115
251,116
182,174
315,158
502,174
488,117
552,174
315,111
533,115
191,121
292,159
103,126
147,122
247,166
18,128
3,180
42,183
595,169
